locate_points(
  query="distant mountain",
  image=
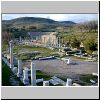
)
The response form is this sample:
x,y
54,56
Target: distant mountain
x,y
34,20
67,22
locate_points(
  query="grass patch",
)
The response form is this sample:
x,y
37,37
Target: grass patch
x,y
43,75
4,47
86,78
7,74
43,51
31,48
74,57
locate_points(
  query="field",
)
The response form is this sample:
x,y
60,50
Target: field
x,y
25,52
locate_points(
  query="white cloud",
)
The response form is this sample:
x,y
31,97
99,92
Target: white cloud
x,y
58,17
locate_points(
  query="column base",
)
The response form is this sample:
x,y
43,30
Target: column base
x,y
33,84
11,66
26,81
19,75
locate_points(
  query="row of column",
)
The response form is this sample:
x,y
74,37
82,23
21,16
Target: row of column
x,y
20,72
33,75
24,73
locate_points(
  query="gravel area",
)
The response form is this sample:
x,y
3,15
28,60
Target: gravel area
x,y
58,67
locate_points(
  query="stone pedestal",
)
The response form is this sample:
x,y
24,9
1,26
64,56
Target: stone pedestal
x,y
69,82
39,80
33,74
69,61
45,83
25,76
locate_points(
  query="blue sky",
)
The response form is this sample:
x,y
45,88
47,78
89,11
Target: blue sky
x,y
57,17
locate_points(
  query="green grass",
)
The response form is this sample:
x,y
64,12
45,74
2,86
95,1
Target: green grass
x,y
86,78
24,57
31,48
40,74
74,57
7,74
45,76
43,51
4,47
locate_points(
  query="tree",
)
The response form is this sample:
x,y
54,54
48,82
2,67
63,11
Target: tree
x,y
74,42
90,45
90,26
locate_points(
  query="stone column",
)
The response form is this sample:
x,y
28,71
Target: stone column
x,y
69,61
53,43
56,41
11,54
45,83
19,68
20,39
25,76
49,42
69,82
33,74
37,37
59,41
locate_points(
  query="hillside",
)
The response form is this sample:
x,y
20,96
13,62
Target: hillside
x,y
34,21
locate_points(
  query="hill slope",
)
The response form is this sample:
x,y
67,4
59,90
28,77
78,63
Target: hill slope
x,y
34,21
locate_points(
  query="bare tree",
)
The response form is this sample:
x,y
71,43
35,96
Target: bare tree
x,y
90,26
6,37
